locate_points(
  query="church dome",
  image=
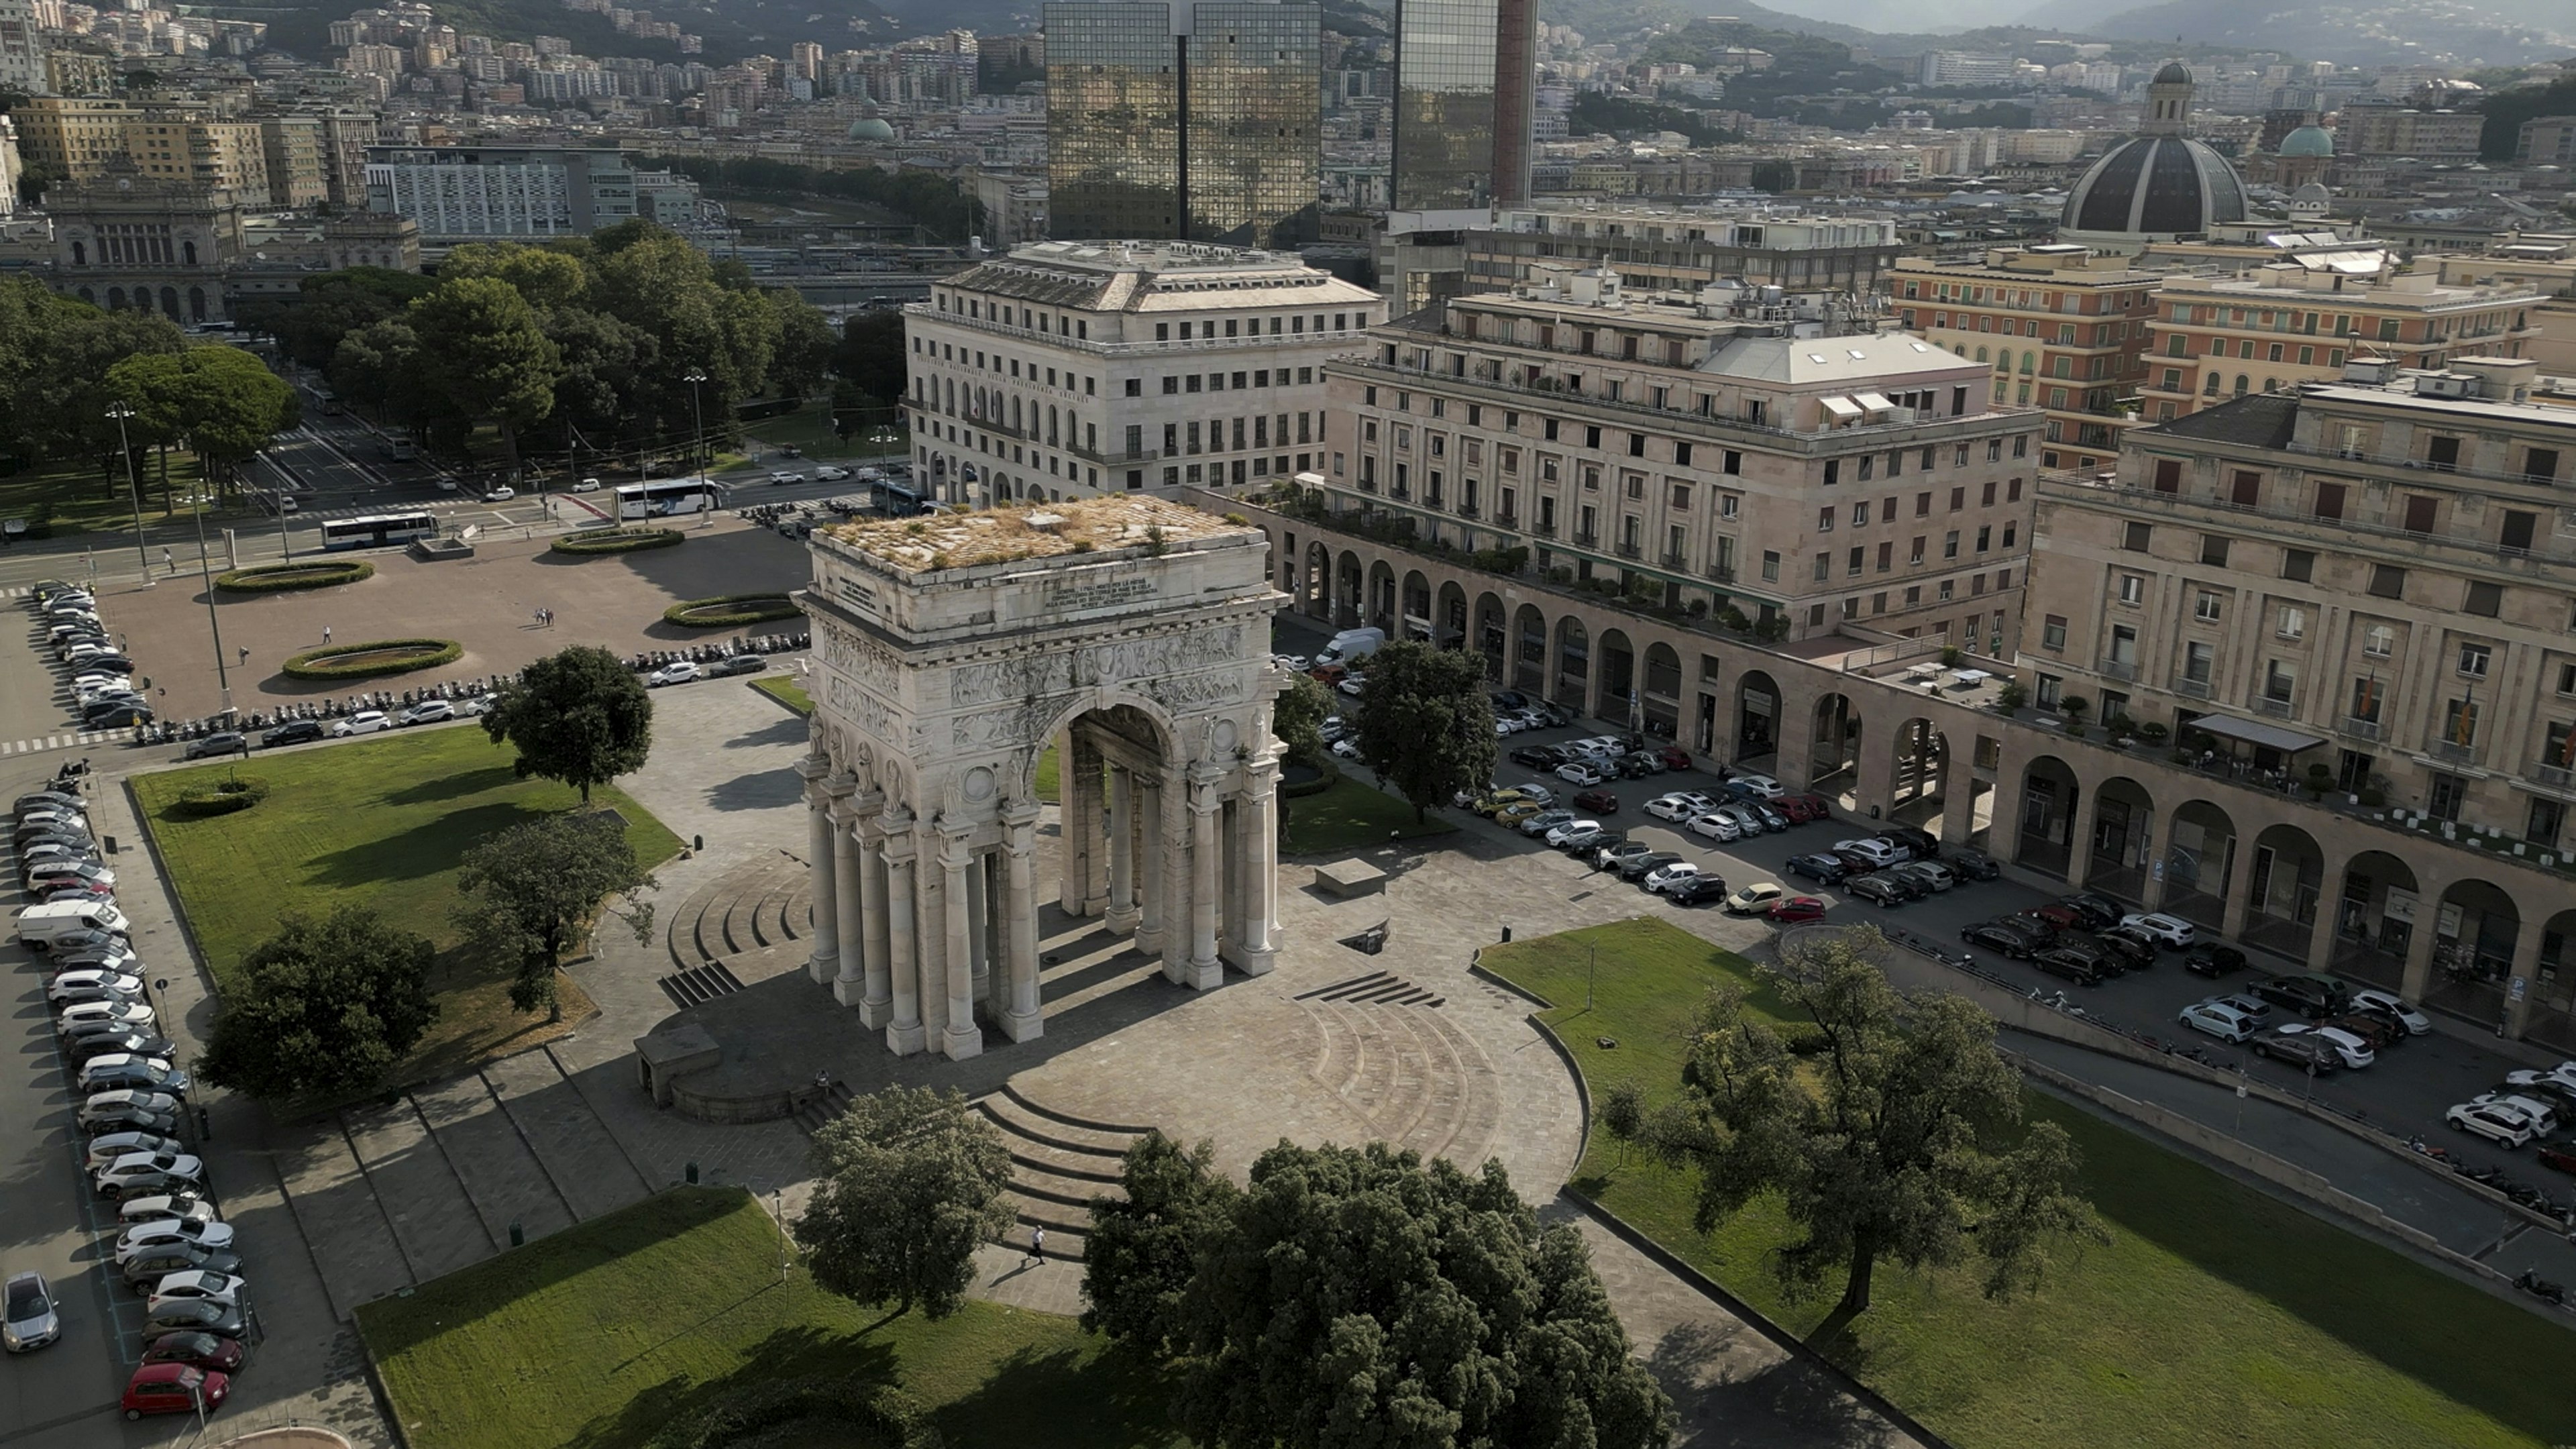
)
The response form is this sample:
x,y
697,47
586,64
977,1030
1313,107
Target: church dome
x,y
2175,73
2308,141
871,129
2156,186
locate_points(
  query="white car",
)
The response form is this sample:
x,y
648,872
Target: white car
x,y
1746,818
1559,834
2542,1116
1353,685
1877,852
107,1150
1716,826
206,1232
2218,1019
1660,881
480,704
75,986
197,1285
133,1014
428,711
446,485
1347,748
1579,773
1762,785
158,1170
125,1069
2166,930
2389,1003
1679,805
160,1206
2500,1124
830,474
2354,1051
678,671
1757,897
1293,663
499,495
364,722
2561,1076
586,485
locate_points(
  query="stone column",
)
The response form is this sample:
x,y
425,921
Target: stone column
x,y
903,1034
1204,971
876,1008
1173,845
2079,842
1122,915
1155,905
1074,857
1874,775
1024,1020
2522,983
1259,848
850,987
1095,891
2324,935
960,1039
826,960
2420,940
979,934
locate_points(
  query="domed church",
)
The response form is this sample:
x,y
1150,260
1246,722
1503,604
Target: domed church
x,y
2157,185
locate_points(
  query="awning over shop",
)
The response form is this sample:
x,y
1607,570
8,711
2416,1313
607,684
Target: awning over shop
x,y
2256,733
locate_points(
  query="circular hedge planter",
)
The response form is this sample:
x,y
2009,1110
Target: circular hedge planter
x,y
618,540
222,797
279,578
377,657
727,611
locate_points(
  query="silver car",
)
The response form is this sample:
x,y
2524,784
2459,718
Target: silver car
x,y
31,1321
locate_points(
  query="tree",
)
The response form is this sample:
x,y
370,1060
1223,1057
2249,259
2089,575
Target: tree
x,y
328,1005
1902,1137
870,354
534,891
912,1183
1297,717
1138,1261
1359,1296
223,402
484,350
1426,724
580,717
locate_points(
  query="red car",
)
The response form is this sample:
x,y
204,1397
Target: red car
x,y
209,1351
2560,1154
1794,910
1803,808
1597,802
2057,914
1674,757
173,1388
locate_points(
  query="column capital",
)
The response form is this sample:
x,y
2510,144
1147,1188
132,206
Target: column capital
x,y
814,767
865,803
840,783
1020,815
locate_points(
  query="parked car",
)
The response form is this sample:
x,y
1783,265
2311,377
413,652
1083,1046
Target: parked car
x,y
1545,821
2544,1117
502,494
1612,857
2299,995
364,722
428,711
2209,958
116,1011
1698,890
2499,1124
143,1172
1680,805
2560,1155
2171,931
151,1207
1749,823
1760,787
1585,844
74,987
1880,890
1796,910
2295,1048
196,1316
1667,877
678,671
1822,869
1518,811
111,1147
2218,1019
1580,773
293,732
1878,853
29,1316
197,1350
2128,952
125,1070
174,1388
199,1283
1803,807
128,1110
222,742
2390,1005
1933,877
1540,793
86,1048
2350,1051
733,664
1716,826
144,1271
1536,757
2006,937
1756,898
2056,915
1557,835
2069,964
1973,865
1638,867
1598,802
206,1233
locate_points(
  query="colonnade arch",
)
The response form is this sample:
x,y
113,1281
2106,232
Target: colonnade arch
x,y
1757,717
1413,604
1615,680
2119,841
2284,891
1572,666
1833,750
2044,835
2476,928
2198,864
1529,651
2374,919
1660,691
1490,639
1377,605
1449,615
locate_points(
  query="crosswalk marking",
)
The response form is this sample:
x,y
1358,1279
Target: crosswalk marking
x,y
70,741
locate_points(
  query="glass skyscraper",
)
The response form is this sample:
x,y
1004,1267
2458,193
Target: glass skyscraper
x,y
1463,82
1197,121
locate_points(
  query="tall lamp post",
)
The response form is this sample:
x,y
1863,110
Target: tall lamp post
x,y
206,571
133,485
697,418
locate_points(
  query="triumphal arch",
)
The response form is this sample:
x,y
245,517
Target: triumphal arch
x,y
1130,634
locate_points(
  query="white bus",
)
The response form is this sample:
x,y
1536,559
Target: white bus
x,y
675,495
381,530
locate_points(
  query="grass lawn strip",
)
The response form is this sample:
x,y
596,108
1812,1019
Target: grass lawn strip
x,y
1352,815
381,822
787,691
598,1336
2217,1315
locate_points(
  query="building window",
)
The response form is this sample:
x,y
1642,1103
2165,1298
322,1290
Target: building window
x,y
2387,581
2447,793
2133,589
1770,567
2368,695
2135,537
1950,544
2484,600
2460,722
2378,641
2280,680
2292,622
2213,550
2298,564
2197,659
2050,689
2206,607
2474,659
2052,633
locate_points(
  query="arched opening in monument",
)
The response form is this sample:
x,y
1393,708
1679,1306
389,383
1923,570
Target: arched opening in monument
x,y
2044,837
1833,755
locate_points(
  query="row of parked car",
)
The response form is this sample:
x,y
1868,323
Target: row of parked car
x,y
96,669
170,1244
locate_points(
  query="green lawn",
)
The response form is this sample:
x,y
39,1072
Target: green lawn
x,y
598,1336
381,822
2217,1315
82,503
1350,815
810,428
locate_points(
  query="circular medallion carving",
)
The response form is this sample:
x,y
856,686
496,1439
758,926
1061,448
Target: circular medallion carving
x,y
1225,736
979,783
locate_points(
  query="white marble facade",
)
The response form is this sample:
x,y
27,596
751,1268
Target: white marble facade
x,y
936,689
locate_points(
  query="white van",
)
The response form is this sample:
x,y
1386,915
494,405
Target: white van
x,y
39,926
1351,644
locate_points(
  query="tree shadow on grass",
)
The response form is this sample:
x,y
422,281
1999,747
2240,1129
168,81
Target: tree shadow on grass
x,y
423,850
1058,1397
789,1353
456,786
1783,1404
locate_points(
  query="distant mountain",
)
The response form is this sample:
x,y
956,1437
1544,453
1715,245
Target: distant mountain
x,y
1862,21
2438,32
732,28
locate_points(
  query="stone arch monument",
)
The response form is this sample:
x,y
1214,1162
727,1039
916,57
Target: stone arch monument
x,y
1131,633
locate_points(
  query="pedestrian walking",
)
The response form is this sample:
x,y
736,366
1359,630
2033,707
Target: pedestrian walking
x,y
326,633
167,562
1037,1245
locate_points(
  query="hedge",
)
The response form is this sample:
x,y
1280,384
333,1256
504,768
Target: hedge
x,y
618,540
425,654
279,578
222,797
756,609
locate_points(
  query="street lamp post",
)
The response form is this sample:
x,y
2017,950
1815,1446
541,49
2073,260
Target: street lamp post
x,y
697,418
206,571
133,485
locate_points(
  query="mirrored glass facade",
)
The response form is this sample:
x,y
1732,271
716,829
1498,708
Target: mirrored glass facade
x,y
1463,83
1201,122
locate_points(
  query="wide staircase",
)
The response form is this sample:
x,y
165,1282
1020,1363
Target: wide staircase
x,y
1390,1052
1059,1163
760,903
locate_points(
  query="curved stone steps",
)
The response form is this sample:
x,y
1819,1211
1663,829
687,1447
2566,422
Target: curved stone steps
x,y
1339,1048
1481,1098
1426,1083
1059,1163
